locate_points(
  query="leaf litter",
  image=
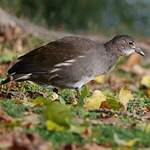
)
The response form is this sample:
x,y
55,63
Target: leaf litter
x,y
115,112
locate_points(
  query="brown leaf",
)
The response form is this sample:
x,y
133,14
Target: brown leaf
x,y
22,141
3,67
148,108
105,104
148,92
4,117
30,120
140,71
117,82
87,132
133,60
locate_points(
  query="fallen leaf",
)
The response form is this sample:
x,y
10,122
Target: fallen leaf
x,y
94,101
3,68
18,140
105,104
30,120
5,117
124,96
52,126
146,81
123,142
100,79
85,92
57,114
133,60
117,82
113,103
39,101
148,92
137,69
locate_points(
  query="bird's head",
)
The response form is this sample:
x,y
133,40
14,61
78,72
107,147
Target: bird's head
x,y
125,45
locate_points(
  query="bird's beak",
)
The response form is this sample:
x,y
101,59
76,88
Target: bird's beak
x,y
139,51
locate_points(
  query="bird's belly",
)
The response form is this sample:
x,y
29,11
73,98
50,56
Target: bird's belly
x,y
81,82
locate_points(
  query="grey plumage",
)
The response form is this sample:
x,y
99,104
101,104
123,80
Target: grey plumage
x,y
68,62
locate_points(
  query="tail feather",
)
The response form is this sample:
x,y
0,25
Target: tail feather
x,y
16,77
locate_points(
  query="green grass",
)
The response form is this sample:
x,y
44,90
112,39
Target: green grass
x,y
13,109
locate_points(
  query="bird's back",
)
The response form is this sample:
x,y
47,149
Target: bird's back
x,y
51,54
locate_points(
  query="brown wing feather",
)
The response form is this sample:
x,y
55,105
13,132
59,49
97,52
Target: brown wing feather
x,y
45,57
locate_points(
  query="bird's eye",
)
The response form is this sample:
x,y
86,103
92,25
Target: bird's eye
x,y
130,43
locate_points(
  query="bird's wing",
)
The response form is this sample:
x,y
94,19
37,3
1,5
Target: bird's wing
x,y
46,57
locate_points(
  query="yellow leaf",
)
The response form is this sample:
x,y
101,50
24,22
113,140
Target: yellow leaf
x,y
94,101
124,96
100,79
146,81
39,101
54,126
123,142
132,142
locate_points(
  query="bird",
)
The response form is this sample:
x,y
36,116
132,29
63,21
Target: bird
x,y
70,62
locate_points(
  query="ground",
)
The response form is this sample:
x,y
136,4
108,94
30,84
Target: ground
x,y
113,111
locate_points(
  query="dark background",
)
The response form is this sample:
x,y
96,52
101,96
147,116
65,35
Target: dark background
x,y
106,16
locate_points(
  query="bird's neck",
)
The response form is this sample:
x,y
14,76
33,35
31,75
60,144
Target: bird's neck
x,y
112,48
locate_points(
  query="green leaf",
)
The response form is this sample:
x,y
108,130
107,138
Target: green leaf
x,y
54,126
85,92
40,101
113,103
58,113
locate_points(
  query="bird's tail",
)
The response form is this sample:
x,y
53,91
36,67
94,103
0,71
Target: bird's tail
x,y
16,77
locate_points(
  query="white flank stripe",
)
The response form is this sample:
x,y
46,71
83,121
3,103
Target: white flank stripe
x,y
55,70
24,77
70,61
63,64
